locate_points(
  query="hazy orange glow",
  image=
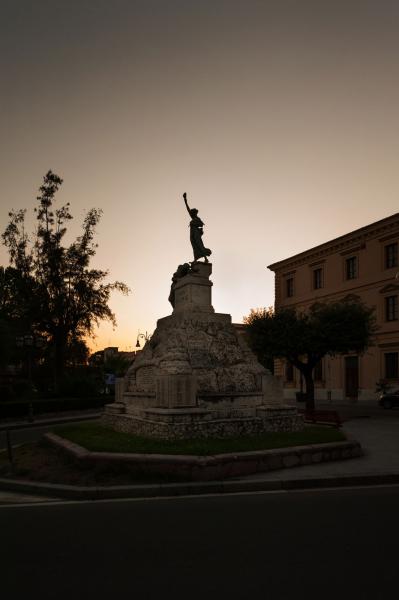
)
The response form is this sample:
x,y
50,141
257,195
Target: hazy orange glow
x,y
279,119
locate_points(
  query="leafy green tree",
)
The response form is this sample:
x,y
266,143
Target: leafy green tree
x,y
304,338
53,285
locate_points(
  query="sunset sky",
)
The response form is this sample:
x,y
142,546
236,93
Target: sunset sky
x,y
279,120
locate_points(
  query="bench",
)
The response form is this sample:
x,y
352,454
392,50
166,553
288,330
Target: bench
x,y
324,417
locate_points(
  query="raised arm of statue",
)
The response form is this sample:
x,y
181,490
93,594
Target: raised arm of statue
x,y
186,203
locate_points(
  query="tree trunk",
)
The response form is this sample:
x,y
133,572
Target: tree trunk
x,y
59,359
308,374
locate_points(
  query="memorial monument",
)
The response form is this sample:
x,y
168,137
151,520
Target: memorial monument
x,y
196,375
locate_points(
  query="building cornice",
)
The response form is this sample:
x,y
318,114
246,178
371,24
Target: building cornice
x,y
391,287
357,238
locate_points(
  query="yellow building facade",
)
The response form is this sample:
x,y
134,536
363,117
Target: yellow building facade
x,y
363,263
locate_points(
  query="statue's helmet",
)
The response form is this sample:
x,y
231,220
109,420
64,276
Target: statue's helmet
x,y
193,212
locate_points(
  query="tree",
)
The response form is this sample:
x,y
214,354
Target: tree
x,y
77,352
53,286
17,308
304,338
117,365
7,344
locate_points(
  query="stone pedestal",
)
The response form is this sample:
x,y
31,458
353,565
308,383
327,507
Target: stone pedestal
x,y
176,391
197,377
193,293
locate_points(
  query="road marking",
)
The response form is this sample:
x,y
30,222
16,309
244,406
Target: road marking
x,y
54,502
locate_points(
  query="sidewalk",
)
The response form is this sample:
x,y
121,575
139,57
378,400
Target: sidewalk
x,y
51,419
379,437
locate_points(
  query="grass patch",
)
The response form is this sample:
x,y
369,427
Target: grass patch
x,y
97,438
40,462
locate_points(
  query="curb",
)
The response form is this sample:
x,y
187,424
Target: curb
x,y
218,467
219,485
71,492
15,425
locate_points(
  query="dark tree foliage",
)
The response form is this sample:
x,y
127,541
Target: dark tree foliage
x,y
77,352
49,285
16,284
7,337
18,308
304,338
118,365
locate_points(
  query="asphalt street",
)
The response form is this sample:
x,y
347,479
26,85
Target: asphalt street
x,y
326,543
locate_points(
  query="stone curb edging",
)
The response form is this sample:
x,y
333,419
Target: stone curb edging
x,y
220,485
70,492
207,468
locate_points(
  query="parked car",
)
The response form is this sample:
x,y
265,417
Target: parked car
x,y
389,399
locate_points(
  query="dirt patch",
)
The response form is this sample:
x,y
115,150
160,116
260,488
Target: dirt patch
x,y
41,462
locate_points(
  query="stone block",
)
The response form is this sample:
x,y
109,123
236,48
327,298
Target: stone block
x,y
116,407
306,458
174,391
119,389
292,460
194,291
327,456
275,462
317,457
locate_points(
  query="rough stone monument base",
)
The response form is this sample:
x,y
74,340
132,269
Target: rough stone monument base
x,y
196,377
181,423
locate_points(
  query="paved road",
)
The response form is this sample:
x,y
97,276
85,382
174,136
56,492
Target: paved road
x,y
329,544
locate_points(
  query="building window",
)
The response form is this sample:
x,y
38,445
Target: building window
x,y
317,279
351,268
289,372
391,255
391,308
289,287
318,371
391,365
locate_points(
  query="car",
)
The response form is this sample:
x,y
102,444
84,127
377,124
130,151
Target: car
x,y
389,399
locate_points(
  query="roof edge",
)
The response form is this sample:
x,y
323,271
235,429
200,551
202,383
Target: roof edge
x,y
325,245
